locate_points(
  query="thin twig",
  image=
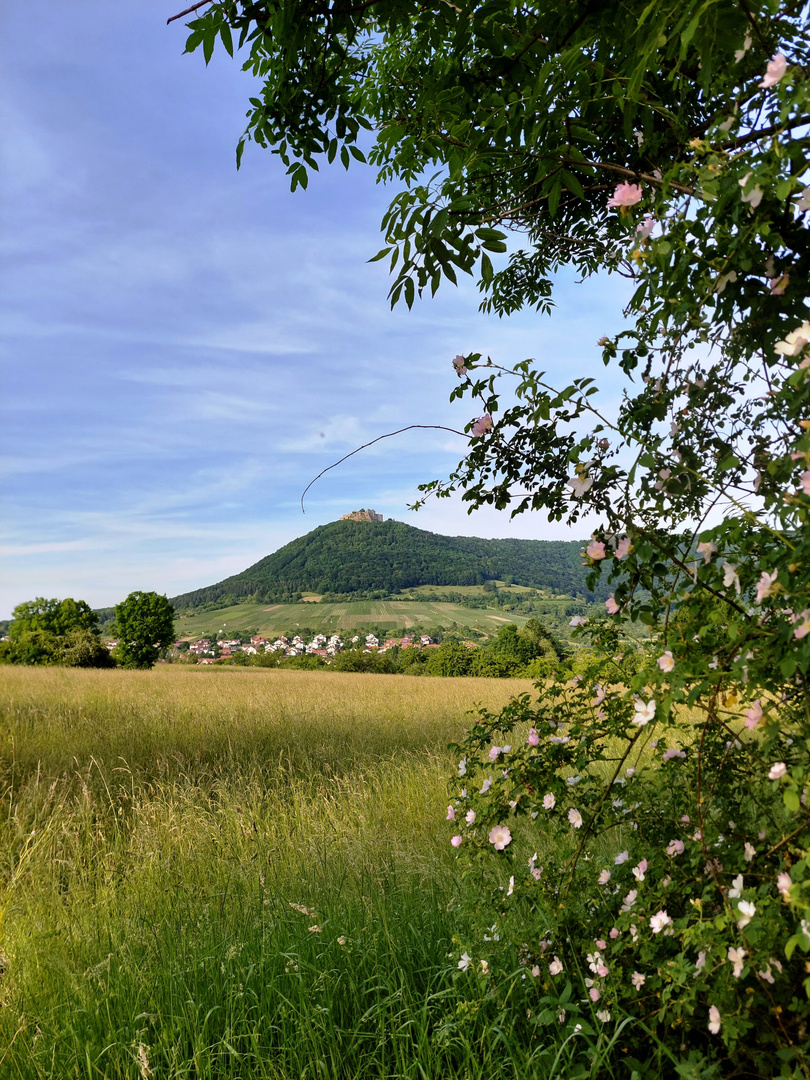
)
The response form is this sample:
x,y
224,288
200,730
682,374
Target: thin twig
x,y
388,435
188,10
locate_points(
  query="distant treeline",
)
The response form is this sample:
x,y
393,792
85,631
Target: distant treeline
x,y
372,560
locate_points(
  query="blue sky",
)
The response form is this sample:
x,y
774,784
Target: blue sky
x,y
184,347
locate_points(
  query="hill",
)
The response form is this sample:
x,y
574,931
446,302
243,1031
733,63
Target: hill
x,y
355,560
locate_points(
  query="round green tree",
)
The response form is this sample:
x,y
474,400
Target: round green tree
x,y
144,625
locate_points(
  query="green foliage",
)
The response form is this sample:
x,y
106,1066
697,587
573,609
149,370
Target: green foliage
x,y
144,624
350,557
54,632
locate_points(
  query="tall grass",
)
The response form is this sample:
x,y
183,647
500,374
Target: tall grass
x,y
240,874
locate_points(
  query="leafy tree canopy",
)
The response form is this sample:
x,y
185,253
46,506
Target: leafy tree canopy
x,y
54,632
144,625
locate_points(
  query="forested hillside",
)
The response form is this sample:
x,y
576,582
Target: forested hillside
x,y
382,558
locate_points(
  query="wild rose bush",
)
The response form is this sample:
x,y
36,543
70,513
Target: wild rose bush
x,y
643,829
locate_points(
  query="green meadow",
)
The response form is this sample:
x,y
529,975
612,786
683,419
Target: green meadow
x,y
242,874
345,617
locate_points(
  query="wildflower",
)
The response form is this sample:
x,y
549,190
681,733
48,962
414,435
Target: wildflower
x,y
706,549
595,550
494,751
460,365
611,605
482,425
629,900
485,967
731,577
559,740
604,877
746,910
549,801
469,817
580,484
714,1020
645,228
777,771
341,940
451,813
675,847
462,767
700,964
794,342
774,71
779,284
456,840
600,696
511,888
315,929
623,548
578,620
556,966
603,1015
594,994
766,975
626,194
572,781
749,852
464,962
723,280
765,585
754,196
666,662
638,980
753,715
737,958
536,972
640,870
622,857
487,784
533,738
644,713
737,887
614,933
575,818
783,884
803,628
659,921
500,837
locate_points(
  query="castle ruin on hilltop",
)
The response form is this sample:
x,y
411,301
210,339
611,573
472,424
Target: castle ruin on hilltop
x,y
362,515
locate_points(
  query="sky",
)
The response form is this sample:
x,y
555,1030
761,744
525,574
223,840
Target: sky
x,y
183,347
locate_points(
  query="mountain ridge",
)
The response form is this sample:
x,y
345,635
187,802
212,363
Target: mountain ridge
x,y
355,559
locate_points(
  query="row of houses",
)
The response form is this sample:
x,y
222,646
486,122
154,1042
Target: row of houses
x,y
320,645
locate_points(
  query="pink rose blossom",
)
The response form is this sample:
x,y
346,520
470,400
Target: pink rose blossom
x,y
535,972
451,813
594,994
802,629
714,1020
666,662
469,817
575,818
765,585
675,847
500,837
533,738
638,980
777,771
456,841
604,877
595,550
783,884
749,852
460,365
482,425
706,549
778,285
644,713
611,605
549,801
614,933
556,966
644,228
600,944
659,921
623,548
737,958
626,194
622,857
774,71
753,715
640,870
